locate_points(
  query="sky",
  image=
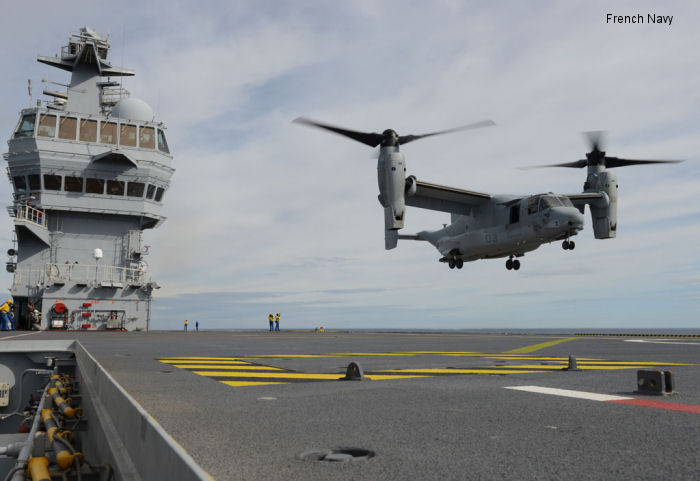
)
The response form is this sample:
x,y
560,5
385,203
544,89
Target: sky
x,y
269,216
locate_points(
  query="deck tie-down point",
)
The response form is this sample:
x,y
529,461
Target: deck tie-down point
x,y
354,372
651,381
572,364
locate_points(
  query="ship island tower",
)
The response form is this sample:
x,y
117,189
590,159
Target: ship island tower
x,y
90,168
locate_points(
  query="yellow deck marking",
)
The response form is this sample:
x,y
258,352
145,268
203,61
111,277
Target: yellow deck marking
x,y
269,375
623,363
260,375
193,361
242,368
202,358
537,347
459,371
249,383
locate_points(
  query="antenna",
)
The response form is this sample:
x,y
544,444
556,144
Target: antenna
x,y
29,89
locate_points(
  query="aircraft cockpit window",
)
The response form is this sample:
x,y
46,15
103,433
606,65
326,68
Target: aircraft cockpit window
x,y
549,201
532,205
162,144
26,126
566,202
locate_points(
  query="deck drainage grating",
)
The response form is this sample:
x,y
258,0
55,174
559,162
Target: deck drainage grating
x,y
340,455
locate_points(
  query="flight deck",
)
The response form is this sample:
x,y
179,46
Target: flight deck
x,y
263,405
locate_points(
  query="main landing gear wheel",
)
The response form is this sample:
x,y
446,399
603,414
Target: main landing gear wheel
x,y
512,264
459,263
568,245
451,263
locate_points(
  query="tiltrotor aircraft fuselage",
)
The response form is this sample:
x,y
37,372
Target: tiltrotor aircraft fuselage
x,y
487,226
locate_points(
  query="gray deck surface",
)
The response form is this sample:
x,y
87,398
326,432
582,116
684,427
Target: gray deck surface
x,y
444,427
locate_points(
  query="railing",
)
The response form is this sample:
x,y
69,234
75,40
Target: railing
x,y
30,214
94,275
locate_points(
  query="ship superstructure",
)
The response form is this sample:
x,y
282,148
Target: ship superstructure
x,y
90,169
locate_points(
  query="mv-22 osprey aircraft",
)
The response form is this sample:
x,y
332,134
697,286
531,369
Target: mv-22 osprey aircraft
x,y
487,226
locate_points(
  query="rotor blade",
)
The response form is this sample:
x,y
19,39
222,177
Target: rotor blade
x,y
368,138
577,165
404,139
595,139
615,162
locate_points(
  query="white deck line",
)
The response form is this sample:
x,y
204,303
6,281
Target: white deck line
x,y
569,393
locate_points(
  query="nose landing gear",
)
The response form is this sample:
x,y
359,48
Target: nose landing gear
x,y
568,245
512,264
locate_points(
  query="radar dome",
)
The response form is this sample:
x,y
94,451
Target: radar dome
x,y
133,109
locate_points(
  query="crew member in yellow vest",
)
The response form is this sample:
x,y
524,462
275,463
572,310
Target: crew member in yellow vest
x,y
6,321
186,322
277,322
271,319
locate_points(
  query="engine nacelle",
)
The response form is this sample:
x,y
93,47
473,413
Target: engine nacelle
x,y
391,172
604,212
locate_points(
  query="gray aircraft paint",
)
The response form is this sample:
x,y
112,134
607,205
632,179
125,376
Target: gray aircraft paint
x,y
487,226
58,235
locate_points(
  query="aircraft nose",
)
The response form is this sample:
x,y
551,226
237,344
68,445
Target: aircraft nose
x,y
570,217
575,218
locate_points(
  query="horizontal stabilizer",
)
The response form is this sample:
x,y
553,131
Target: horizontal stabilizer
x,y
411,237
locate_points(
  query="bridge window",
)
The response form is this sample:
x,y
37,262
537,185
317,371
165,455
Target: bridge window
x,y
47,126
94,186
135,189
88,130
20,183
67,127
162,144
150,191
52,182
147,139
73,184
34,182
108,133
115,187
127,135
26,126
159,193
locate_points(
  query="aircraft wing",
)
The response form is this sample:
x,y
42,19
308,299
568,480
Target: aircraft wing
x,y
580,200
445,199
